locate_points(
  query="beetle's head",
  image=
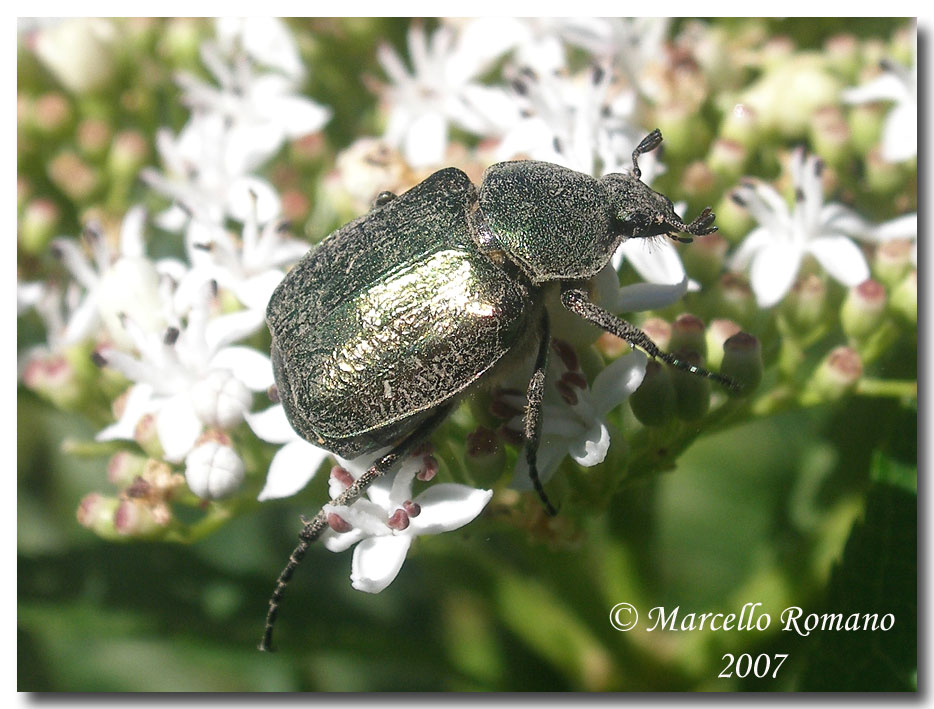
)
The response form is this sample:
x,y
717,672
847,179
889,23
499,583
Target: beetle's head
x,y
640,212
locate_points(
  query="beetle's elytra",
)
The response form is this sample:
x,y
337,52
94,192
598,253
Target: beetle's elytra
x,y
379,330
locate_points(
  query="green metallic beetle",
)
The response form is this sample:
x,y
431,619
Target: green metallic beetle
x,y
381,329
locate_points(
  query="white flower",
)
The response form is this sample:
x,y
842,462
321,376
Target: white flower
x,y
260,111
574,122
124,279
574,415
629,43
898,84
205,179
250,267
440,89
384,523
295,463
213,471
774,250
188,378
265,39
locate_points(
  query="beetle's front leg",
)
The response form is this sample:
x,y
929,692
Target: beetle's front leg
x,y
579,303
533,412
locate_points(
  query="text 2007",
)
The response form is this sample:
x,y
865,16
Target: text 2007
x,y
760,666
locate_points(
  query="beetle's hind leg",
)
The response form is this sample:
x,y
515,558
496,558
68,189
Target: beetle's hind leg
x,y
533,412
579,303
315,527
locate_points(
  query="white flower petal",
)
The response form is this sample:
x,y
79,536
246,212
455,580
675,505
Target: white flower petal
x,y
841,258
271,425
138,402
591,449
426,140
338,542
618,381
376,562
773,271
292,468
250,366
178,427
448,506
900,134
656,261
648,296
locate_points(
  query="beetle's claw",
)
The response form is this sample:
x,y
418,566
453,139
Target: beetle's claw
x,y
703,225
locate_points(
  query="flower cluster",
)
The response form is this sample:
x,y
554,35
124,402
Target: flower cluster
x,y
161,342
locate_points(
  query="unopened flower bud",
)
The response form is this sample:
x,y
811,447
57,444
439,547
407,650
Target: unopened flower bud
x,y
806,304
734,221
727,159
686,135
93,137
213,471
653,403
485,457
830,135
659,331
842,52
96,512
866,121
892,261
882,176
52,114
73,176
135,518
220,399
742,362
687,333
905,298
863,310
127,154
147,436
719,331
53,377
741,125
39,221
124,467
692,392
835,376
698,181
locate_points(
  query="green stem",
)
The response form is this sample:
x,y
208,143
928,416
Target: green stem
x,y
888,388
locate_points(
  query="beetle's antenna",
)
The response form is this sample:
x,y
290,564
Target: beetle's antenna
x,y
647,145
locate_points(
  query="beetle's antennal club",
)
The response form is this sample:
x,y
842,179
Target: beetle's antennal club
x,y
647,145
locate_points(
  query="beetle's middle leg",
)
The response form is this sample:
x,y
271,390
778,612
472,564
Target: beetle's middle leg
x,y
533,412
315,527
579,303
